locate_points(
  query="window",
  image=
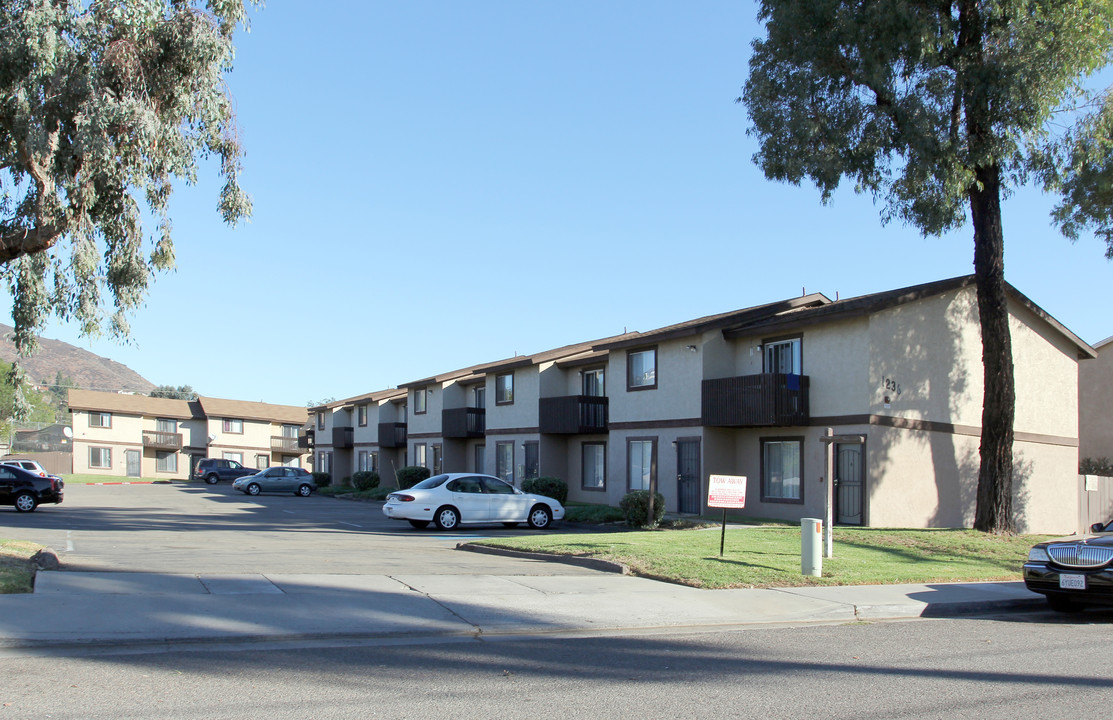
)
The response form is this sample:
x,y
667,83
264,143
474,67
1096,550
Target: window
x,y
784,356
100,457
504,389
593,383
781,470
233,456
641,369
419,455
324,462
290,431
420,400
594,466
234,426
532,466
166,425
641,463
480,458
166,462
262,462
361,414
479,397
504,461
321,420
100,419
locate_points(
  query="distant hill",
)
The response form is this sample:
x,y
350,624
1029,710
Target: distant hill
x,y
87,369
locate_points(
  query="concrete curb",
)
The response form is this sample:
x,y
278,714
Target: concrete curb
x,y
579,561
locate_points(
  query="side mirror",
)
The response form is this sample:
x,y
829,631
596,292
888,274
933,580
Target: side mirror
x,y
1097,527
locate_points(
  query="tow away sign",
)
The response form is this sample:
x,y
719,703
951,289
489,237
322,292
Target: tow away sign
x,y
726,491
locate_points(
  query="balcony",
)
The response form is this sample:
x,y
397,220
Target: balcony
x,y
464,422
768,400
306,439
392,435
162,440
573,415
286,445
342,438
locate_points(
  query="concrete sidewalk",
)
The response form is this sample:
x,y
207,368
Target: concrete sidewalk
x,y
92,608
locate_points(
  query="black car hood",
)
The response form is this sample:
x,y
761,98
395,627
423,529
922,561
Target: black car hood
x,y
1099,539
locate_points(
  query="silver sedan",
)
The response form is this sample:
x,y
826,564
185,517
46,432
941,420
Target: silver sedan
x,y
277,479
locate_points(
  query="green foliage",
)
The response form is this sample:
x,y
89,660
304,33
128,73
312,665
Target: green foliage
x,y
182,392
365,480
883,93
635,508
593,514
552,487
1096,466
411,475
103,105
323,479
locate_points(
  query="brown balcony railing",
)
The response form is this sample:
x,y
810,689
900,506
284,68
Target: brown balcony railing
x,y
285,445
392,435
767,400
162,440
464,422
573,415
342,437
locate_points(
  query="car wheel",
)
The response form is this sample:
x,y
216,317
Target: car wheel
x,y
1062,604
253,489
212,479
446,518
420,524
510,525
539,517
304,490
25,502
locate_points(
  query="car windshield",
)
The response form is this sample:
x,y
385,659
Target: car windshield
x,y
435,481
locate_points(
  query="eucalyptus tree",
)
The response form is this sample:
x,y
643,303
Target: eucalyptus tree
x,y
104,105
937,108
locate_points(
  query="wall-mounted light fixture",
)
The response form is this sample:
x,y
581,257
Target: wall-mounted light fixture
x,y
692,348
888,402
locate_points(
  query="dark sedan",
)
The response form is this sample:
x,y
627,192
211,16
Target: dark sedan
x,y
26,490
1073,571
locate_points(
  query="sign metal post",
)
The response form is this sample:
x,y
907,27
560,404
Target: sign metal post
x,y
726,491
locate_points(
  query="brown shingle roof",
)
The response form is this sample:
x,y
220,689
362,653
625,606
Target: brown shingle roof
x,y
246,410
133,405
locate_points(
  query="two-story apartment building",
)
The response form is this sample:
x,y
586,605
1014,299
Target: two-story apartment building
x,y
886,388
142,437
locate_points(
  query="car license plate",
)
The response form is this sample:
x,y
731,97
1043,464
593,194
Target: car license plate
x,y
1072,582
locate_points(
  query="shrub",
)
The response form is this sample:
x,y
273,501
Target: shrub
x,y
635,508
552,487
365,480
410,476
323,479
1096,466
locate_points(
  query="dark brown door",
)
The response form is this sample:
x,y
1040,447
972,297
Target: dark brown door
x,y
688,477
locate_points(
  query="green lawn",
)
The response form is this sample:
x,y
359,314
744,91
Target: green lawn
x,y
770,556
16,575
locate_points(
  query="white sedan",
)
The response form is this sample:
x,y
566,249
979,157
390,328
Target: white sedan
x,y
467,498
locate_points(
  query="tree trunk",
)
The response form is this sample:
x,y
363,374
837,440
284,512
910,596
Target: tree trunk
x,y
995,475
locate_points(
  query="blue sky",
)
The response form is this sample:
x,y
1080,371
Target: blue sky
x,y
439,184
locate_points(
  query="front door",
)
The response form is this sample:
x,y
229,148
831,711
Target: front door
x,y
131,457
848,484
688,476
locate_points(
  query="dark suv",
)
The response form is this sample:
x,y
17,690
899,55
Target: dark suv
x,y
213,470
27,490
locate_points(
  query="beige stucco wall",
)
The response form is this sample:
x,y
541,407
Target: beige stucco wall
x,y
522,413
677,395
1095,392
